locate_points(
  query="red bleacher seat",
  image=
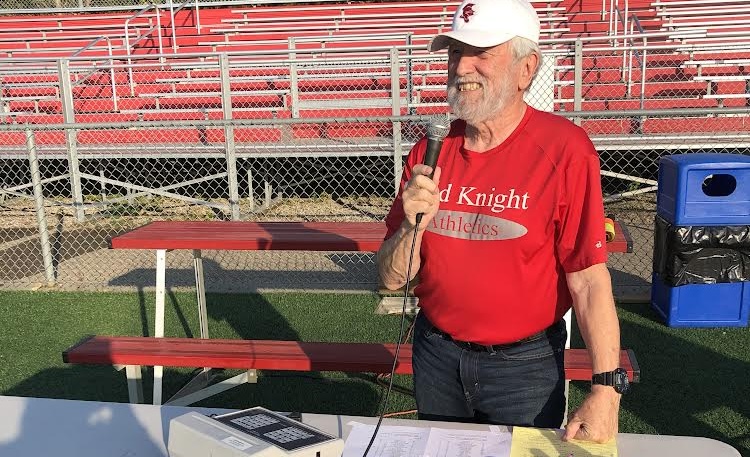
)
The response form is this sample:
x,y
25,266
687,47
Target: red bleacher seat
x,y
696,125
158,89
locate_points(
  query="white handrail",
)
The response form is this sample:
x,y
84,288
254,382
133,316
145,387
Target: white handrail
x,y
614,24
635,25
625,19
628,41
173,12
562,46
111,64
171,22
197,18
127,39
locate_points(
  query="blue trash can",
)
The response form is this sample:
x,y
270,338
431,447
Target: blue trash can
x,y
701,195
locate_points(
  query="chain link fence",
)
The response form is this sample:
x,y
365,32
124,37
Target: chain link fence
x,y
67,5
91,147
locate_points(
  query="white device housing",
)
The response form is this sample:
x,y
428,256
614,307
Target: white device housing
x,y
267,434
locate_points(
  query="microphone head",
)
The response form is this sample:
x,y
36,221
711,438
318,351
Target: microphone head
x,y
438,127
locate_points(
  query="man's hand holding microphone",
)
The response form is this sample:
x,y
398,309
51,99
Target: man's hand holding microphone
x,y
397,263
421,197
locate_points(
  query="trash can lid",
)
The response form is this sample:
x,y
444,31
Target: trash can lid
x,y
714,160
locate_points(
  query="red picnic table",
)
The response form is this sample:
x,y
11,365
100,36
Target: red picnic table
x,y
163,236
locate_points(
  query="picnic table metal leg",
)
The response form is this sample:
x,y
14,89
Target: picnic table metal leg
x,y
200,387
135,386
568,326
197,395
200,292
161,266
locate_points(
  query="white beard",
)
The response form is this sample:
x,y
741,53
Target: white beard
x,y
492,99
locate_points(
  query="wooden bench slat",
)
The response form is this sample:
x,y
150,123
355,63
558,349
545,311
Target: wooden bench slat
x,y
293,236
242,354
310,236
280,355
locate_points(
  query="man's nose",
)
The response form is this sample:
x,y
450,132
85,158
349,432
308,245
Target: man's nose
x,y
465,65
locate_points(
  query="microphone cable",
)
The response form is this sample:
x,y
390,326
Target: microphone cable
x,y
437,130
384,403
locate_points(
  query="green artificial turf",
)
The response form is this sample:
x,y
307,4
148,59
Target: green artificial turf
x,y
694,381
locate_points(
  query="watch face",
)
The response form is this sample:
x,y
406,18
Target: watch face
x,y
622,384
617,379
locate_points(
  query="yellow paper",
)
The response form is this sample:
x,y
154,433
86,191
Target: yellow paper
x,y
536,442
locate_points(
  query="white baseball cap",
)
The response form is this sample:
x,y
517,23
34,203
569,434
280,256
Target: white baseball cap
x,y
487,23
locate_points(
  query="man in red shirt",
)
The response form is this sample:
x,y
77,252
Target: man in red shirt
x,y
512,237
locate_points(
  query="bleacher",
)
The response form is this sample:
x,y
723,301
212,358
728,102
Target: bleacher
x,y
65,35
334,60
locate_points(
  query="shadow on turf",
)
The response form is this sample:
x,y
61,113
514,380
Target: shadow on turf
x,y
243,316
349,270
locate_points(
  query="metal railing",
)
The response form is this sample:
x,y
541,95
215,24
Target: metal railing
x,y
614,18
90,45
141,37
636,29
173,12
237,152
123,189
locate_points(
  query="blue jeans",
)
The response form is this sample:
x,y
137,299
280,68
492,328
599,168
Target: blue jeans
x,y
516,384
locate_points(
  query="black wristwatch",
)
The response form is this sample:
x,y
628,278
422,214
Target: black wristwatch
x,y
617,378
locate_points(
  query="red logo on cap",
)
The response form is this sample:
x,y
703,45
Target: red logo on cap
x,y
467,12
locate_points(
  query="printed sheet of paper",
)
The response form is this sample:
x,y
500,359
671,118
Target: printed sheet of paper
x,y
391,441
535,442
444,442
401,441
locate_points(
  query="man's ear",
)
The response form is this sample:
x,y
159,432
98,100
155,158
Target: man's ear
x,y
527,71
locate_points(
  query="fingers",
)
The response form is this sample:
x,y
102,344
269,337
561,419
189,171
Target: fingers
x,y
571,429
436,177
421,195
422,169
596,428
577,429
595,420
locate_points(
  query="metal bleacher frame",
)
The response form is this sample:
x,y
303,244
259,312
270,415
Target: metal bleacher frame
x,y
302,41
353,59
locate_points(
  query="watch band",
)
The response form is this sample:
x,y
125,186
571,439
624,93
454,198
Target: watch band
x,y
617,379
607,378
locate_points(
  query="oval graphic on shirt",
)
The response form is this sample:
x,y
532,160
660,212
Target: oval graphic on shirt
x,y
473,226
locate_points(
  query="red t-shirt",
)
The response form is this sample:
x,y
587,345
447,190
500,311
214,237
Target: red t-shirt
x,y
512,221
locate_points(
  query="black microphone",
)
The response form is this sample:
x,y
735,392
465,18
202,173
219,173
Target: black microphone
x,y
437,130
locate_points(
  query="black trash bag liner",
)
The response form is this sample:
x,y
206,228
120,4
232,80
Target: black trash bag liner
x,y
701,254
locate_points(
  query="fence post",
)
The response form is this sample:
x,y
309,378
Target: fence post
x,y
226,104
410,75
293,81
71,140
250,193
578,80
396,111
171,21
41,217
643,72
103,185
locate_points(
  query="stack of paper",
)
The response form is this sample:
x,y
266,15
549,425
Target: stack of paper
x,y
400,441
537,442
